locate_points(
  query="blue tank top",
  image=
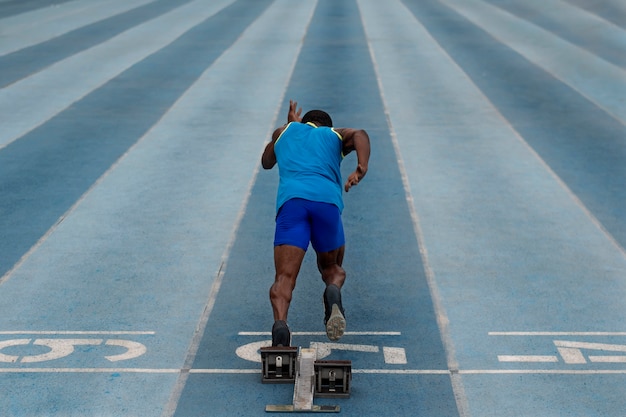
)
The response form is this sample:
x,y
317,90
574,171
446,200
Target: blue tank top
x,y
309,159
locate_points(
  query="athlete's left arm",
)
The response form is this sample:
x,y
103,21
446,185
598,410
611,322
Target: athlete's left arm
x,y
356,140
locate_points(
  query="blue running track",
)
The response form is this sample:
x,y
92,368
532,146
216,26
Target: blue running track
x,y
485,254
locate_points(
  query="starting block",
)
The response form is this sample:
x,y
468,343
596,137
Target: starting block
x,y
333,379
279,364
328,379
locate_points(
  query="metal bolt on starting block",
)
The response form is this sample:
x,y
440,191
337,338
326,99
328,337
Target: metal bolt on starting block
x,y
279,364
333,379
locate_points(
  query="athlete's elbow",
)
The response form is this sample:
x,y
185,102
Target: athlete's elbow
x,y
268,163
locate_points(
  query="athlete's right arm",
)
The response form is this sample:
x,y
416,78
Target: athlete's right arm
x,y
268,160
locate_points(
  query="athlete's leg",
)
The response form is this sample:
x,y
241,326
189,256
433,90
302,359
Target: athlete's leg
x,y
328,241
287,260
329,265
291,239
333,274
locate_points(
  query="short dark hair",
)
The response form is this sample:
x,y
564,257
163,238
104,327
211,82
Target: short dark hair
x,y
319,116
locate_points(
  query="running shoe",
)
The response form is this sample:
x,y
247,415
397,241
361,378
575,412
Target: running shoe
x,y
281,336
334,319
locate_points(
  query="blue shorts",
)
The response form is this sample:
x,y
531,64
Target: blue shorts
x,y
302,221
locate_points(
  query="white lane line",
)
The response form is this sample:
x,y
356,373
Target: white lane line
x,y
21,102
27,29
599,81
585,22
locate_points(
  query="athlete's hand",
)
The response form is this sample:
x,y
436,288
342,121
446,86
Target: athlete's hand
x,y
294,113
355,177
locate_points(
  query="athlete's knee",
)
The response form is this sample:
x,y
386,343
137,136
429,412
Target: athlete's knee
x,y
283,287
333,274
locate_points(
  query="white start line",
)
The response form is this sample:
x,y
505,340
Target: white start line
x,y
393,358
570,352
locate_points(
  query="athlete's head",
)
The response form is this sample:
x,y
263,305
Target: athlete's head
x,y
319,117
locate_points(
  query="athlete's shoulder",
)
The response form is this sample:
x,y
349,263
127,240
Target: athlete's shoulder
x,y
337,133
282,131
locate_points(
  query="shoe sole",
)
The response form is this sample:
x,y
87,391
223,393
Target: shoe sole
x,y
336,324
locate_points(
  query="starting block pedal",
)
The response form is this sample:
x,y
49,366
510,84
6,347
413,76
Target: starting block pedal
x,y
333,379
279,364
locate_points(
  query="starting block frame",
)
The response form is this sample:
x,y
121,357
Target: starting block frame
x,y
311,377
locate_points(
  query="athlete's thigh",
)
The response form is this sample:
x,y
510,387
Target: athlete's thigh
x,y
292,225
326,227
287,261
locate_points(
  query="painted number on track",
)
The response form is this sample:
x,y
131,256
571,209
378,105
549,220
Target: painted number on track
x,y
60,348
